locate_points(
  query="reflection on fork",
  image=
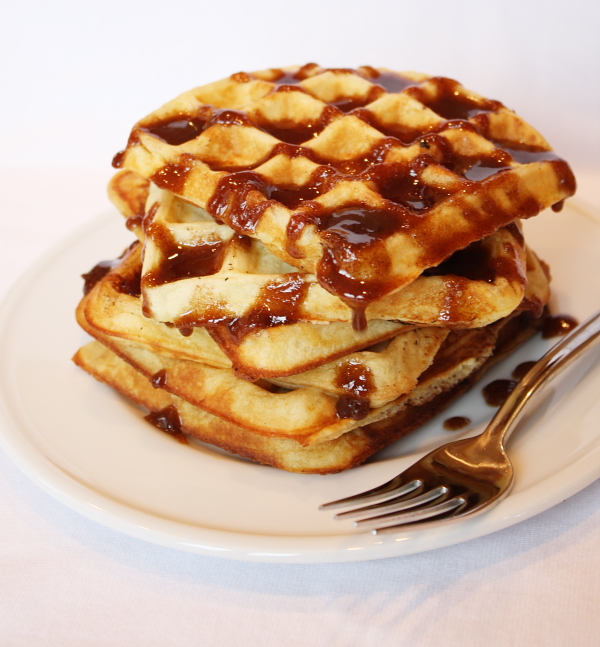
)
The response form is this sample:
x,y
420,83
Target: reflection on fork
x,y
464,477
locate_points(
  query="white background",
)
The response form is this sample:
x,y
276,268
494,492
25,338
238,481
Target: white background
x,y
74,77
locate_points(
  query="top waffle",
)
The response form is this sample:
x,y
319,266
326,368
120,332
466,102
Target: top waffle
x,y
362,179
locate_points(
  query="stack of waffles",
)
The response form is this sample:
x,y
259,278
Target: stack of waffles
x,y
325,259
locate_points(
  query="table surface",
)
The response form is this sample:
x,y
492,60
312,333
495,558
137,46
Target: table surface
x,y
65,580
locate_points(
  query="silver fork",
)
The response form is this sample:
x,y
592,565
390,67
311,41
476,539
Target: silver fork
x,y
467,476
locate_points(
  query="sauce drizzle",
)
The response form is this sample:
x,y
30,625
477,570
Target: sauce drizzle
x,y
456,422
96,274
169,421
356,381
495,393
558,325
159,380
522,369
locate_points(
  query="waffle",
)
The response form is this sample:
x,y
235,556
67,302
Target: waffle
x,y
325,259
373,384
128,191
450,376
115,309
177,416
239,273
390,371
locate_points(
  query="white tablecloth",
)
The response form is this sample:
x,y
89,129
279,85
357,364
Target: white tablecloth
x,y
65,580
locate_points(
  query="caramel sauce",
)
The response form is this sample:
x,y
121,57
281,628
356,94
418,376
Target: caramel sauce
x,y
179,129
96,274
456,422
148,218
135,221
402,183
391,81
173,177
484,169
522,369
359,318
236,203
130,284
531,156
182,128
448,102
361,226
227,117
404,134
348,233
350,104
534,305
159,380
288,78
294,196
182,261
169,421
297,133
118,159
362,163
352,408
212,317
495,393
356,380
558,326
279,303
241,77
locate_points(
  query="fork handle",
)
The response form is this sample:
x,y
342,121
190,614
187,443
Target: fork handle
x,y
549,366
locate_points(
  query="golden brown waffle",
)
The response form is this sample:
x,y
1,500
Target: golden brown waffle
x,y
174,415
197,272
114,308
362,178
128,191
326,258
323,403
375,376
450,376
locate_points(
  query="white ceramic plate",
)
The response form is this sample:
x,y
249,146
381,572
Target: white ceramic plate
x,y
90,448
